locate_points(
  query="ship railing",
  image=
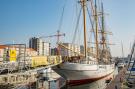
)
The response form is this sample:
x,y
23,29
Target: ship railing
x,y
78,59
89,62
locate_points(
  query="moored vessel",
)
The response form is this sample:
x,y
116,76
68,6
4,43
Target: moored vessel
x,y
90,66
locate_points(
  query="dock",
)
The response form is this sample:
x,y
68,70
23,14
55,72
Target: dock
x,y
119,82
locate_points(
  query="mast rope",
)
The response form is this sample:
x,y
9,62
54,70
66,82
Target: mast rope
x,y
61,18
92,23
76,28
92,6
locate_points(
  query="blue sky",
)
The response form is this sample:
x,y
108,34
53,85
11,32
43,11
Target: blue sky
x,y
22,19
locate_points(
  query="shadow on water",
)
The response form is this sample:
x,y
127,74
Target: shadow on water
x,y
100,84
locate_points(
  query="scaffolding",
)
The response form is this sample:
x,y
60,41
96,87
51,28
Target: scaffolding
x,y
16,64
18,71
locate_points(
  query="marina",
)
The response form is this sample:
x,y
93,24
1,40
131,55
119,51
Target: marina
x,y
78,54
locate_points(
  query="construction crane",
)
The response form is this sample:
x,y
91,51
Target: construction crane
x,y
58,35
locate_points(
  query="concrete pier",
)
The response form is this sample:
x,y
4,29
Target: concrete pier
x,y
119,82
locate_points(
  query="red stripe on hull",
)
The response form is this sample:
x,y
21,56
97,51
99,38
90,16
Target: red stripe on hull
x,y
84,81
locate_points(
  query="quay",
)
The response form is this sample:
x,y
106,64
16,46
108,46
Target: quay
x,y
119,82
126,76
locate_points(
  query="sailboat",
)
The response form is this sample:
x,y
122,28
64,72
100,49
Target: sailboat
x,y
88,68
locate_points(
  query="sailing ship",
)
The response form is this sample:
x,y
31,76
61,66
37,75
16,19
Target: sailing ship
x,y
88,68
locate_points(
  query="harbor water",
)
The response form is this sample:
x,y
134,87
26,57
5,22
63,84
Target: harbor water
x,y
56,82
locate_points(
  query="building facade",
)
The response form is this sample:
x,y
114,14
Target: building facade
x,y
16,52
54,51
46,49
70,50
42,48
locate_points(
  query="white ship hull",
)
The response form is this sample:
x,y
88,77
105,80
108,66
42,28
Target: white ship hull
x,y
77,74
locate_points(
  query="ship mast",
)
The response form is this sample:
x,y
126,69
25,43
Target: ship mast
x,y
83,2
103,29
96,21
